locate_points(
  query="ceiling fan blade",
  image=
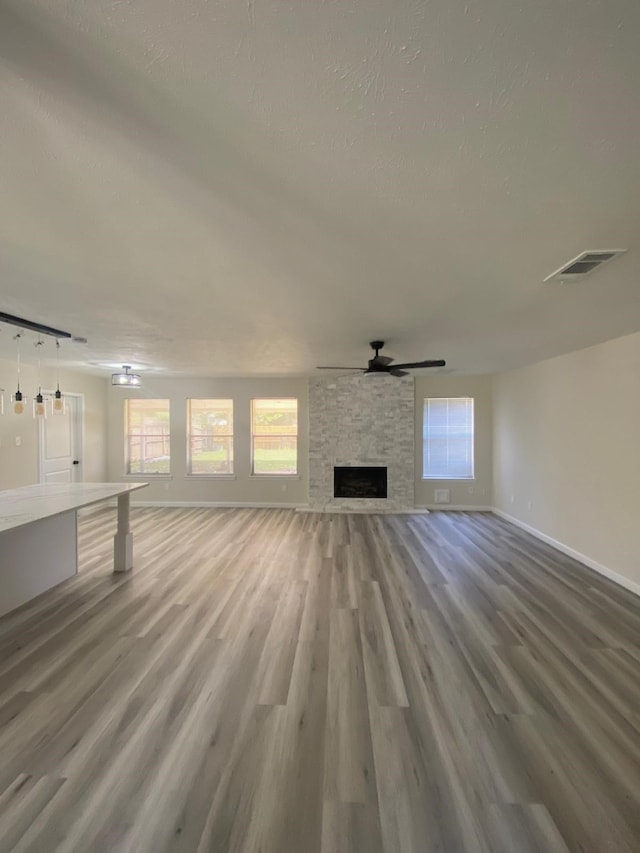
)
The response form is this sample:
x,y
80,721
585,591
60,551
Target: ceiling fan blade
x,y
438,362
338,368
395,372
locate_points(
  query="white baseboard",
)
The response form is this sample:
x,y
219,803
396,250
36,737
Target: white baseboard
x,y
457,508
265,505
337,510
216,504
621,580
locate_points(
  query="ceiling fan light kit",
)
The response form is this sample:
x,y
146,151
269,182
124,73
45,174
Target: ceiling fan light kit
x,y
381,365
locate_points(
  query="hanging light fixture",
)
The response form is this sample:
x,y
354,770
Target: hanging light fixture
x,y
39,406
126,379
58,400
17,398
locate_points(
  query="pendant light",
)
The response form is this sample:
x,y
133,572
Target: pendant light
x,y
58,399
39,406
17,398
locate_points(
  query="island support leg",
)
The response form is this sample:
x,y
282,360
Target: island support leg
x,y
123,540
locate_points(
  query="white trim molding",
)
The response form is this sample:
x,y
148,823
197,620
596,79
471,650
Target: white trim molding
x,y
275,476
196,477
152,478
457,508
621,580
217,504
333,509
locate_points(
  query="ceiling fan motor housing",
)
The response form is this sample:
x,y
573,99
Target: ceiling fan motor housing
x,y
374,366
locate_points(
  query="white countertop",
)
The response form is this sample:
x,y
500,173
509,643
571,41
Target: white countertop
x,y
32,503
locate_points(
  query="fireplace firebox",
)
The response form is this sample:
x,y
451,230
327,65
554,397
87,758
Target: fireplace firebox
x,y
359,482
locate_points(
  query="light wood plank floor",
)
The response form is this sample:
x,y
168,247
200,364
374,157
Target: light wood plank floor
x,y
273,682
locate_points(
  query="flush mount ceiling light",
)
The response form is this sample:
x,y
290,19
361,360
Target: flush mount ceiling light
x,y
126,379
585,263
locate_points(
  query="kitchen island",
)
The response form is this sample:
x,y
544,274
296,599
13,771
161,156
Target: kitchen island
x,y
39,535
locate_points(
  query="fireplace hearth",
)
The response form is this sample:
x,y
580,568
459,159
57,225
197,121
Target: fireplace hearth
x,y
360,481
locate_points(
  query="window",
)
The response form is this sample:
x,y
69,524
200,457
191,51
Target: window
x,y
447,433
147,436
274,436
210,437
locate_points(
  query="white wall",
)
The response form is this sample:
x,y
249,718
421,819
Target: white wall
x,y
480,388
246,489
567,451
180,488
19,465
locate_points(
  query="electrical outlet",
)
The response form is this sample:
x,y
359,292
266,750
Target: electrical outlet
x,y
18,440
469,490
512,499
529,504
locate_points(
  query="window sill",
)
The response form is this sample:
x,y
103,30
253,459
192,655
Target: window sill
x,y
210,477
449,479
148,476
274,476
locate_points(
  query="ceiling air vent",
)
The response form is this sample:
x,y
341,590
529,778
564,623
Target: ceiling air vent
x,y
584,264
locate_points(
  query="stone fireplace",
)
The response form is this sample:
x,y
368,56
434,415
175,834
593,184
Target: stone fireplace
x,y
363,425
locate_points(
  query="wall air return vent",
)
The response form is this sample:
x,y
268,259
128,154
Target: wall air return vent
x,y
584,264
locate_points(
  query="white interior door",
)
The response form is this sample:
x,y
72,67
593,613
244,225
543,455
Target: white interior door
x,y
60,444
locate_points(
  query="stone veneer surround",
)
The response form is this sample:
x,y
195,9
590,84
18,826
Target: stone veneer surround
x,y
362,420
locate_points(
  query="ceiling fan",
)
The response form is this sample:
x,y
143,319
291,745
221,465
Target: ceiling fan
x,y
381,364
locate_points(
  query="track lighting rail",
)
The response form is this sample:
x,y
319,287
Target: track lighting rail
x,y
34,327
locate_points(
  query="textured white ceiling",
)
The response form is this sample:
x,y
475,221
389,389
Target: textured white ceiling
x,y
260,186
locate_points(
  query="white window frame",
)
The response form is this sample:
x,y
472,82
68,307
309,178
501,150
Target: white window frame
x,y
292,475
127,434
227,475
425,440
